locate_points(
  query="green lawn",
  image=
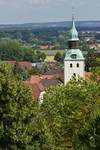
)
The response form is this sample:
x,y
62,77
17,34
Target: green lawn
x,y
52,52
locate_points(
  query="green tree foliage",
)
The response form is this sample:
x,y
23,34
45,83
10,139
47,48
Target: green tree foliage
x,y
34,71
18,71
16,109
29,55
90,60
97,36
67,120
57,64
58,57
11,51
18,35
50,36
95,76
72,112
21,126
38,52
85,47
42,56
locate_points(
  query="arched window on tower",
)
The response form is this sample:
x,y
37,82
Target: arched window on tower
x,y
77,65
74,74
71,65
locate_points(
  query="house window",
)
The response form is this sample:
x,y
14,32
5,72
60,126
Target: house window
x,y
74,74
71,65
77,65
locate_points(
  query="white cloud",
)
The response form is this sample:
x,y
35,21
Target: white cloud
x,y
38,1
46,1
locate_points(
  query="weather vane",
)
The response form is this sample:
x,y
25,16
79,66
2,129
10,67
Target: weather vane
x,y
73,12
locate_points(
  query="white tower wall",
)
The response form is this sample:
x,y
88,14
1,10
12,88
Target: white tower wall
x,y
71,68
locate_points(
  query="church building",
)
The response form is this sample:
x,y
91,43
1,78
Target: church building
x,y
74,60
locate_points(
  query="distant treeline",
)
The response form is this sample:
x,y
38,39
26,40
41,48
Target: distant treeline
x,y
58,28
37,37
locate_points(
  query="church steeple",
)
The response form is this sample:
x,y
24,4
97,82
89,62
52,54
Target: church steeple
x,y
73,42
73,32
74,60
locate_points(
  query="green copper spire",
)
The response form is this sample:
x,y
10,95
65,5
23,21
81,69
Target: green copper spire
x,y
73,32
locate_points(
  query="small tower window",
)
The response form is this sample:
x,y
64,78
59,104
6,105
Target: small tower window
x,y
73,56
74,74
71,65
77,65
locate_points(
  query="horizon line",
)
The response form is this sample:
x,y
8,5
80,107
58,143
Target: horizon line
x,y
46,22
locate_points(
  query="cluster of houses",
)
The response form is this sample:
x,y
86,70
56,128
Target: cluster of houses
x,y
96,47
53,76
73,66
46,47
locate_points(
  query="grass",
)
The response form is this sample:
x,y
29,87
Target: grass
x,y
52,52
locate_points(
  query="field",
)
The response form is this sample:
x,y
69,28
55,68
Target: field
x,y
52,52
50,59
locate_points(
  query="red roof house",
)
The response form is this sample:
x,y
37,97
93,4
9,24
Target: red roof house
x,y
21,63
36,88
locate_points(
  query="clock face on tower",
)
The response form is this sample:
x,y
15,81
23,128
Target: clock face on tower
x,y
73,56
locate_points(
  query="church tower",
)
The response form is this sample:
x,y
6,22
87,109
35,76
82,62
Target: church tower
x,y
74,60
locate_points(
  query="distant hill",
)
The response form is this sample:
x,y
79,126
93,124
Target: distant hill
x,y
52,24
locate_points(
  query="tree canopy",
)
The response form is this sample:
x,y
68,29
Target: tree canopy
x,y
72,113
58,57
11,51
68,119
90,60
21,128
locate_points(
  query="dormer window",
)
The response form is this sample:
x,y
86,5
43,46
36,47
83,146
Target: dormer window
x,y
73,56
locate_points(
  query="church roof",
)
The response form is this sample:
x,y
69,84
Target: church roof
x,y
74,54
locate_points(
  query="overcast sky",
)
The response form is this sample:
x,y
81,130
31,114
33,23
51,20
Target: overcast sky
x,y
32,11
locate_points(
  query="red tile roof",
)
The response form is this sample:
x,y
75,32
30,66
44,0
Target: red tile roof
x,y
21,63
37,78
39,82
46,47
87,74
50,67
50,82
36,88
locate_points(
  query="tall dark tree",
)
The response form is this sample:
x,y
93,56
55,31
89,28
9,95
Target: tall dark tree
x,y
58,57
90,60
42,56
29,55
